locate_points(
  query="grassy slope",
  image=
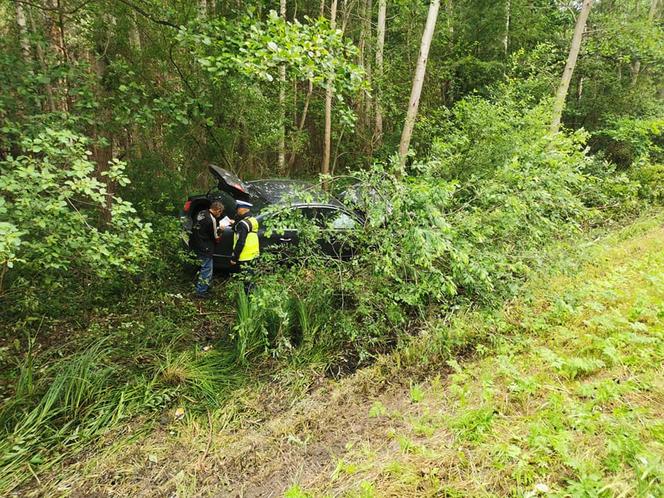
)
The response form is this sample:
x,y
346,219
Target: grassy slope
x,y
562,393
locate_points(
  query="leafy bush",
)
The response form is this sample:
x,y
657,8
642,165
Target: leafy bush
x,y
631,140
59,217
650,178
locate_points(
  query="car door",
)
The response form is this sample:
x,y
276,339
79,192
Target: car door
x,y
336,226
276,237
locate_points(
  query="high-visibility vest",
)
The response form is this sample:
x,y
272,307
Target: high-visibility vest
x,y
251,248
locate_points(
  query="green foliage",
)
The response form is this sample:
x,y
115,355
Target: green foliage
x,y
256,49
310,51
633,140
60,217
466,227
416,393
650,177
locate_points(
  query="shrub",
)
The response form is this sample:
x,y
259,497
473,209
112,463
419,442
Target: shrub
x,y
59,218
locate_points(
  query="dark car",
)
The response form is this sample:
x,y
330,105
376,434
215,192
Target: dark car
x,y
271,199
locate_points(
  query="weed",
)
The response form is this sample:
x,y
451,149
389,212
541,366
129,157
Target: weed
x,y
377,409
416,393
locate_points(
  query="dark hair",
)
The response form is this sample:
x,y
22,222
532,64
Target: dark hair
x,y
217,205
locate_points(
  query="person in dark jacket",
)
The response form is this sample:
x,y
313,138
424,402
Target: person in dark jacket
x,y
203,238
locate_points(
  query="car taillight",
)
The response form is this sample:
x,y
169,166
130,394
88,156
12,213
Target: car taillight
x,y
187,206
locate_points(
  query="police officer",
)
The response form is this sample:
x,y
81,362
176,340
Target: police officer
x,y
245,241
203,238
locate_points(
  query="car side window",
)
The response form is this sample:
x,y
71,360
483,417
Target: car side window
x,y
343,221
334,219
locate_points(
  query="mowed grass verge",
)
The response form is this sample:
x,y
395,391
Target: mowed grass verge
x,y
570,403
560,393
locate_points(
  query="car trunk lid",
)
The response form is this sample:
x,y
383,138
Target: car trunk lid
x,y
229,182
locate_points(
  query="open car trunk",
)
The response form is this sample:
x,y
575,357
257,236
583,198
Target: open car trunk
x,y
229,182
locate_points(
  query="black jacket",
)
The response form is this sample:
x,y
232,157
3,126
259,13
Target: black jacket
x,y
203,237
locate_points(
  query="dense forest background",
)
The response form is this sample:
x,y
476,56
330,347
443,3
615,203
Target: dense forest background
x,y
110,112
167,87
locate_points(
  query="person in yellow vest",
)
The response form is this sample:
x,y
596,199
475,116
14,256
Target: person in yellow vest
x,y
245,241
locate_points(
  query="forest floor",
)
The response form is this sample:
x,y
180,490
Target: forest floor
x,y
566,398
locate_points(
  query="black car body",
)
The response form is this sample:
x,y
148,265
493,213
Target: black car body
x,y
271,198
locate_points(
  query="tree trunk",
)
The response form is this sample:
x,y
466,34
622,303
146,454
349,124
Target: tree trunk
x,y
418,81
50,101
282,105
508,20
561,94
23,32
365,103
134,34
303,119
380,47
327,139
449,9
636,65
202,9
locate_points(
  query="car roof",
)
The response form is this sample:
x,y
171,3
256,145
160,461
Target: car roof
x,y
292,192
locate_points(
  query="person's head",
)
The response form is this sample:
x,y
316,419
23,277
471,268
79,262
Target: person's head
x,y
216,208
243,207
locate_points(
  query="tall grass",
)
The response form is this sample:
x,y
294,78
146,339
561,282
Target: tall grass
x,y
207,375
78,403
250,333
58,412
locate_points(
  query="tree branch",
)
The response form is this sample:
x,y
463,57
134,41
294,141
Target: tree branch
x,y
147,15
56,9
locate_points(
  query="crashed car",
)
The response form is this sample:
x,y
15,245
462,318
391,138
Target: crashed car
x,y
271,199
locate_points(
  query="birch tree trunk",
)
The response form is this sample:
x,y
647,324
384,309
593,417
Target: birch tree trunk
x,y
365,60
327,139
418,81
508,20
561,94
282,105
380,48
134,34
23,32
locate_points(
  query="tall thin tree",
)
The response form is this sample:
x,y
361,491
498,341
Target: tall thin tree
x,y
282,105
561,94
380,48
327,139
23,32
418,81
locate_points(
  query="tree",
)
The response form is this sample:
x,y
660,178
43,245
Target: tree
x,y
282,104
636,66
418,80
23,32
561,94
327,139
380,47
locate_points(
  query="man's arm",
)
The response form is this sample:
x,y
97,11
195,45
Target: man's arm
x,y
207,228
242,232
